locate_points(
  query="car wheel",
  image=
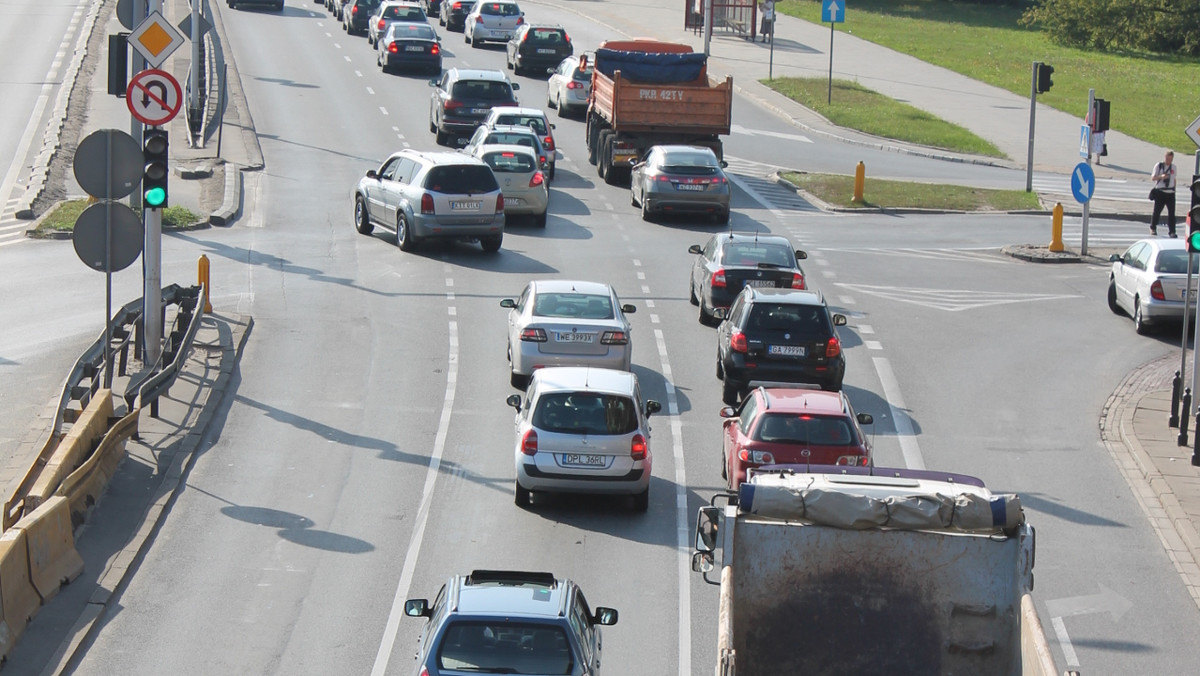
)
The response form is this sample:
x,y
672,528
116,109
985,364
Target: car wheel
x,y
362,222
521,496
641,501
508,64
1112,297
1139,321
730,392
517,380
442,137
550,102
724,468
540,219
405,239
706,319
492,243
441,20
720,371
692,293
279,7
646,215
550,176
721,218
832,386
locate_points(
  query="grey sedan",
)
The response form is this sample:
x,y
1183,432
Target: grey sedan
x,y
1148,281
680,180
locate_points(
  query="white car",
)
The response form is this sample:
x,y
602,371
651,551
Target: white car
x,y
492,22
1148,281
583,430
559,322
389,13
527,117
569,86
522,182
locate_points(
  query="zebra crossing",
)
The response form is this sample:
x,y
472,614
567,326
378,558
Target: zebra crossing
x,y
12,229
1107,189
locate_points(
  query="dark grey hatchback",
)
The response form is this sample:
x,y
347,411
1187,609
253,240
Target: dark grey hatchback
x,y
731,261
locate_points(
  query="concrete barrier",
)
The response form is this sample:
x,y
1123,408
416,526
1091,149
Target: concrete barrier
x,y
1036,658
53,559
19,601
75,447
84,486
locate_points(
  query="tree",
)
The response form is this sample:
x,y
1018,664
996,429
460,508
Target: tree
x,y
1161,26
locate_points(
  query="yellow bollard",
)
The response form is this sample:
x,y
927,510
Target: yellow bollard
x,y
860,178
1056,243
202,275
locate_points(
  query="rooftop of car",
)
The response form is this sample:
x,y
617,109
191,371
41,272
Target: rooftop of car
x,y
803,400
511,128
476,74
498,592
442,157
727,237
686,149
517,110
794,296
584,378
568,285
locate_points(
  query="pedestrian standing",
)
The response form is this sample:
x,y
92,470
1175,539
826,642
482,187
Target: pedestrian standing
x,y
767,27
1163,193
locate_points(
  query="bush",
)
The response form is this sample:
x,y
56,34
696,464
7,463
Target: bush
x,y
1159,26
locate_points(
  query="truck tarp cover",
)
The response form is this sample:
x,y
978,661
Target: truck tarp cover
x,y
650,68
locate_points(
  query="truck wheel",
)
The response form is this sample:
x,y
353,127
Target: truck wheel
x,y
602,152
593,139
491,243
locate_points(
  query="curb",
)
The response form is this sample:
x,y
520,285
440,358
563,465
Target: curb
x,y
228,211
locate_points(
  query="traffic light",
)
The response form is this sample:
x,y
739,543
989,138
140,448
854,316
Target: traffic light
x,y
1193,216
1100,116
1044,83
156,172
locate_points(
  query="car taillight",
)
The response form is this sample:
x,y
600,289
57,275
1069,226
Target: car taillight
x,y
533,335
718,279
479,19
853,460
1156,290
756,457
529,443
614,338
797,280
542,159
537,179
738,342
637,447
717,180
833,348
574,85
424,672
451,104
520,20
393,48
354,10
434,49
381,25
427,204
663,178
548,142
500,203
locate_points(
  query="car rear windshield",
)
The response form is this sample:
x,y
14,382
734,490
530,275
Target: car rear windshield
x,y
1175,262
573,305
420,31
489,90
799,322
585,413
698,164
534,122
464,179
505,647
554,35
789,428
751,254
583,74
403,13
500,9
508,162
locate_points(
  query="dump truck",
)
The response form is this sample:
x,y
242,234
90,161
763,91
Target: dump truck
x,y
861,570
647,93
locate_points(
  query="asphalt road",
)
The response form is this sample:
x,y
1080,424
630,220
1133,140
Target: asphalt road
x,y
367,454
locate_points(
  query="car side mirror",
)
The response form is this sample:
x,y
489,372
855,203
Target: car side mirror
x,y
508,303
728,412
652,407
801,255
695,249
1114,258
605,616
417,608
706,528
516,86
865,419
514,400
724,164
720,313
552,126
628,309
839,320
433,83
371,173
638,165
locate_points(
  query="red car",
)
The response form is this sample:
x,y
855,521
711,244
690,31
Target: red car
x,y
776,425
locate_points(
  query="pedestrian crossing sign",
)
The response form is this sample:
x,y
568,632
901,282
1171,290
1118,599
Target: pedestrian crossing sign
x,y
1085,140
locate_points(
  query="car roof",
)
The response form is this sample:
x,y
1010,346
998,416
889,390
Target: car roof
x,y
517,110
803,400
584,378
477,74
567,285
727,237
440,157
510,128
512,593
405,26
1164,244
685,149
793,296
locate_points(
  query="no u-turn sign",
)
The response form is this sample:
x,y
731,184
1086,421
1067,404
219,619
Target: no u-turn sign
x,y
153,97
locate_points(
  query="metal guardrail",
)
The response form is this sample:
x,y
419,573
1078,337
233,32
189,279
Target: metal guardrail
x,y
178,346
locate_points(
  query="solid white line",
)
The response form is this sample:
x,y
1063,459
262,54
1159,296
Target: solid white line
x,y
904,429
1060,629
387,643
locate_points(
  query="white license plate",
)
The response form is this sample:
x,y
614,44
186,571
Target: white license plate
x,y
574,337
787,350
545,51
760,283
480,111
466,205
515,201
414,48
580,459
691,186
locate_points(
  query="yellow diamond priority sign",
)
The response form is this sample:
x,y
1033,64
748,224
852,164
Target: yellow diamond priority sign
x,y
156,39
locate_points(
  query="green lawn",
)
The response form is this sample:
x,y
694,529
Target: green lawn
x,y
1153,96
839,191
62,217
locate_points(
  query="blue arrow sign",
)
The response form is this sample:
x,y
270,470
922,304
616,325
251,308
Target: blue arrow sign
x,y
833,11
1083,182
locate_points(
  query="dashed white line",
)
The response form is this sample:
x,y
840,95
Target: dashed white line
x,y
649,302
347,57
873,344
645,289
1060,629
370,91
383,110
866,329
358,73
641,275
337,45
653,318
846,300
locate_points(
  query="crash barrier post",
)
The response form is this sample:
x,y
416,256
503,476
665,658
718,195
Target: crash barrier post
x,y
1056,219
202,280
175,352
53,559
19,601
73,450
860,181
83,487
1036,658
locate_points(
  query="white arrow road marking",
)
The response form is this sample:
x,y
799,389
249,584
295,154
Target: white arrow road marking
x,y
1107,601
950,300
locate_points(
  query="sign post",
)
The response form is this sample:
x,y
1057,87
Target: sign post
x,y
832,12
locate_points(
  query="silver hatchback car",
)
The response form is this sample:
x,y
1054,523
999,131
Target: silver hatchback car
x,y
583,430
521,180
1148,281
566,323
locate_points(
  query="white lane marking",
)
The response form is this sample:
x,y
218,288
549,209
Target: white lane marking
x,y
641,275
337,45
358,73
383,110
649,303
637,263
866,329
370,91
829,274
951,300
873,344
904,429
1060,629
653,318
645,289
681,514
846,300
403,586
347,57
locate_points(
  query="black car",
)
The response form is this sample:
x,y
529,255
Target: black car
x,y
356,14
431,7
729,261
778,335
537,48
453,14
463,98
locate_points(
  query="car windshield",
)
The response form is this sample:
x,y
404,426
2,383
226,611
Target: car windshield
x,y
403,13
421,31
752,253
585,413
799,322
500,9
508,162
789,428
505,647
534,122
1175,262
573,305
482,89
465,179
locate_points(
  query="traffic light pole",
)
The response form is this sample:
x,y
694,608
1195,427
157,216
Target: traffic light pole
x,y
152,319
1087,204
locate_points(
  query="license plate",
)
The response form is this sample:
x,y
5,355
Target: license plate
x,y
690,186
574,337
546,51
466,205
786,350
515,201
760,283
580,459
414,48
480,111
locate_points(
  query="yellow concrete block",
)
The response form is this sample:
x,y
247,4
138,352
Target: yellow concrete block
x,y
53,559
19,601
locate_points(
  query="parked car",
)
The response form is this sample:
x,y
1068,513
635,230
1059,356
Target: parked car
x,y
410,45
583,430
730,261
1148,281
390,12
509,622
463,98
570,85
453,13
509,134
537,48
527,117
680,180
521,180
778,335
779,425
566,323
492,22
428,195
356,14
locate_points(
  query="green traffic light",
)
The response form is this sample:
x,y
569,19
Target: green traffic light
x,y
1193,241
154,197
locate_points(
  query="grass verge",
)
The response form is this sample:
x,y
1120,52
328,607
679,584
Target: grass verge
x,y
1153,96
63,216
856,107
879,193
